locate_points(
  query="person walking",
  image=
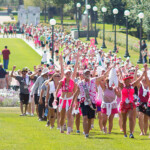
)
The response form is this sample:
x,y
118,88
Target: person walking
x,y
5,53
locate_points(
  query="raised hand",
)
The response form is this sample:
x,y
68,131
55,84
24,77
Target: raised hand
x,y
14,67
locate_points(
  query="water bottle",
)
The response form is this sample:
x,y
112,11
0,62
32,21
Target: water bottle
x,y
46,112
54,105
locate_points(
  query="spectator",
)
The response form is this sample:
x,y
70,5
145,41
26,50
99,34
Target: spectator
x,y
5,54
3,79
144,45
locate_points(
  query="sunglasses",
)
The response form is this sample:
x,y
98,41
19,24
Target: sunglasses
x,y
131,70
126,76
57,76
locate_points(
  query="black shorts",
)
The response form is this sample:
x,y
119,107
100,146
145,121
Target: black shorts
x,y
42,44
36,99
24,98
51,100
46,42
87,111
30,35
56,51
10,32
148,111
51,49
142,107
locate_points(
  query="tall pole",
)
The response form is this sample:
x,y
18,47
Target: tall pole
x,y
115,47
127,53
95,27
140,56
78,22
103,45
88,25
53,43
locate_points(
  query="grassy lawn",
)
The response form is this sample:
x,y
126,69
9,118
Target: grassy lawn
x,y
22,55
27,133
134,56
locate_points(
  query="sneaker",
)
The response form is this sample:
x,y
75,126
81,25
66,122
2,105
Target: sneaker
x,y
84,133
45,118
86,136
40,119
27,113
48,123
61,131
51,127
21,114
125,136
131,135
58,128
78,131
32,115
24,114
68,133
65,129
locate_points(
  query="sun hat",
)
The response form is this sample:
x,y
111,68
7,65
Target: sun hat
x,y
44,71
67,70
127,76
51,72
86,70
25,69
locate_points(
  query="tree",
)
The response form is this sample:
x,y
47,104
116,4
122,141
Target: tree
x,y
60,4
21,2
111,4
135,8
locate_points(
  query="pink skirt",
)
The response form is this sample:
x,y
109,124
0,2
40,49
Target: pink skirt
x,y
65,102
113,111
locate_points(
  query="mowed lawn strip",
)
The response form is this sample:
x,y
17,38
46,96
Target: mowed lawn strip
x,y
28,133
22,55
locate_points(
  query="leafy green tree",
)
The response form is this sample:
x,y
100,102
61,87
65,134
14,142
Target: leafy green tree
x,y
61,4
21,2
111,4
135,8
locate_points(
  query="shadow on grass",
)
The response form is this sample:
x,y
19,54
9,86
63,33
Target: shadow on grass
x,y
121,133
100,138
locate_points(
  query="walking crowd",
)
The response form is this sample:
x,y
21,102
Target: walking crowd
x,y
82,81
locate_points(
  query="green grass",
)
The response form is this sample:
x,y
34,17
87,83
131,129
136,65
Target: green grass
x,y
28,133
22,55
134,56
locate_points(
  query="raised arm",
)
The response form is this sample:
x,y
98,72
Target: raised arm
x,y
35,86
99,79
33,74
75,67
12,73
61,65
136,70
136,83
146,77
